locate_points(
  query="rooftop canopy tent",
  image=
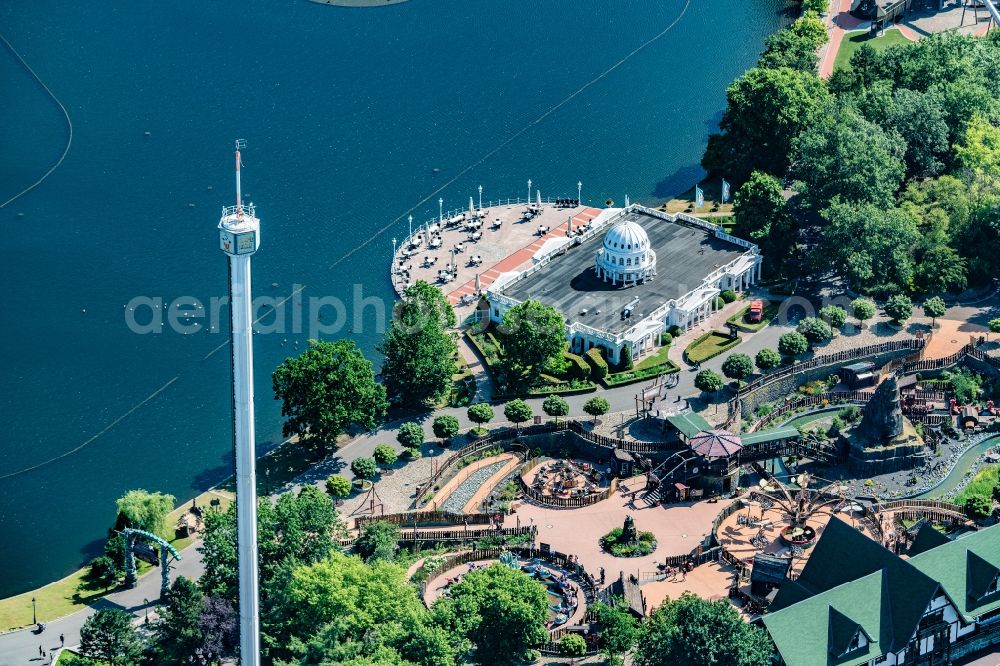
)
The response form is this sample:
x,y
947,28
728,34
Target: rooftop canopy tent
x,y
716,444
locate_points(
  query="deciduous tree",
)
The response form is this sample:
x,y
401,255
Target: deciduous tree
x,y
418,350
708,381
325,391
411,436
843,155
899,307
363,468
378,540
480,413
767,359
517,411
108,635
762,216
793,343
766,109
934,307
555,406
696,632
533,333
737,366
502,612
385,455
146,511
445,426
597,406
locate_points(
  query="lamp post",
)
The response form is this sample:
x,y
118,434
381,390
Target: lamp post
x,y
480,197
34,612
529,190
440,209
579,190
145,602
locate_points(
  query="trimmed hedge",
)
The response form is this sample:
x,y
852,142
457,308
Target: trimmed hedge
x,y
634,376
578,369
721,347
597,362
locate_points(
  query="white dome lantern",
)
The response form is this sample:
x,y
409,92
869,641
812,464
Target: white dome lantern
x,y
626,256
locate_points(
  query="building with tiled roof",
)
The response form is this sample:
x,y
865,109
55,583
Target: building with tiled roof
x,y
857,603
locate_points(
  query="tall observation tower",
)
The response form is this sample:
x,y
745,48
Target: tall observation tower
x,y
239,237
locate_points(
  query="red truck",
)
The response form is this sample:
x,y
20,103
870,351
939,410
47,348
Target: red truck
x,y
756,311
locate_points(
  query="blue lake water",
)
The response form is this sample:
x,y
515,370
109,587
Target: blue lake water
x,y
352,118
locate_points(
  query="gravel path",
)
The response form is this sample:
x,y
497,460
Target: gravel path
x,y
458,499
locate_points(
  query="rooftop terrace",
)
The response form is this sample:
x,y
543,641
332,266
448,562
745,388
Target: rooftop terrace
x,y
686,255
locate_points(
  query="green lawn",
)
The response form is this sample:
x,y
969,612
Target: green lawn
x,y
709,346
853,41
657,358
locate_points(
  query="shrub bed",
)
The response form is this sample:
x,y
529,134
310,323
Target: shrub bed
x,y
633,376
709,346
611,543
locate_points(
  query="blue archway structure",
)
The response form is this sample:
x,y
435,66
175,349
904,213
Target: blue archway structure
x,y
131,576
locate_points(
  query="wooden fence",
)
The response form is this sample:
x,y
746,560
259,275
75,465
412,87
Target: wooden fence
x,y
553,502
622,444
464,534
427,517
828,398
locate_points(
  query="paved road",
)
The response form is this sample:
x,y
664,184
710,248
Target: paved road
x,y
21,647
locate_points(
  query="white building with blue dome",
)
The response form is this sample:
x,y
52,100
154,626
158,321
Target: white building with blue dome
x,y
635,273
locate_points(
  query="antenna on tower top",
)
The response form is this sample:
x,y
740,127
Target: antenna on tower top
x,y
240,143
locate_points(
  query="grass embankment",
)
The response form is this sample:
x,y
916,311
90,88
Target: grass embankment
x,y
75,591
853,41
709,346
981,485
740,321
713,208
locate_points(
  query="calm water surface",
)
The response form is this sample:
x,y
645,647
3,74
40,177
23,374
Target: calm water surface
x,y
352,118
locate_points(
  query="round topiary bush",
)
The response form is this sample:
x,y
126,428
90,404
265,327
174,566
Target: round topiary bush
x,y
644,545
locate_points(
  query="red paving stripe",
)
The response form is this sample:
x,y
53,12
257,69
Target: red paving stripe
x,y
513,261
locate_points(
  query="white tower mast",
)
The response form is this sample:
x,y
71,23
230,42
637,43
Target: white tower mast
x,y
239,237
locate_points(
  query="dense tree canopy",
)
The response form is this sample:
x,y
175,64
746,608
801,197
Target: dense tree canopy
x,y
325,391
767,108
695,632
533,333
872,247
844,155
419,353
797,46
108,635
500,611
762,216
480,413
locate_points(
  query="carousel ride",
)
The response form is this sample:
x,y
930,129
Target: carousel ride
x,y
785,519
566,478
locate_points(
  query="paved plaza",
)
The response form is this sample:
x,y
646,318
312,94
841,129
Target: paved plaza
x,y
486,243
